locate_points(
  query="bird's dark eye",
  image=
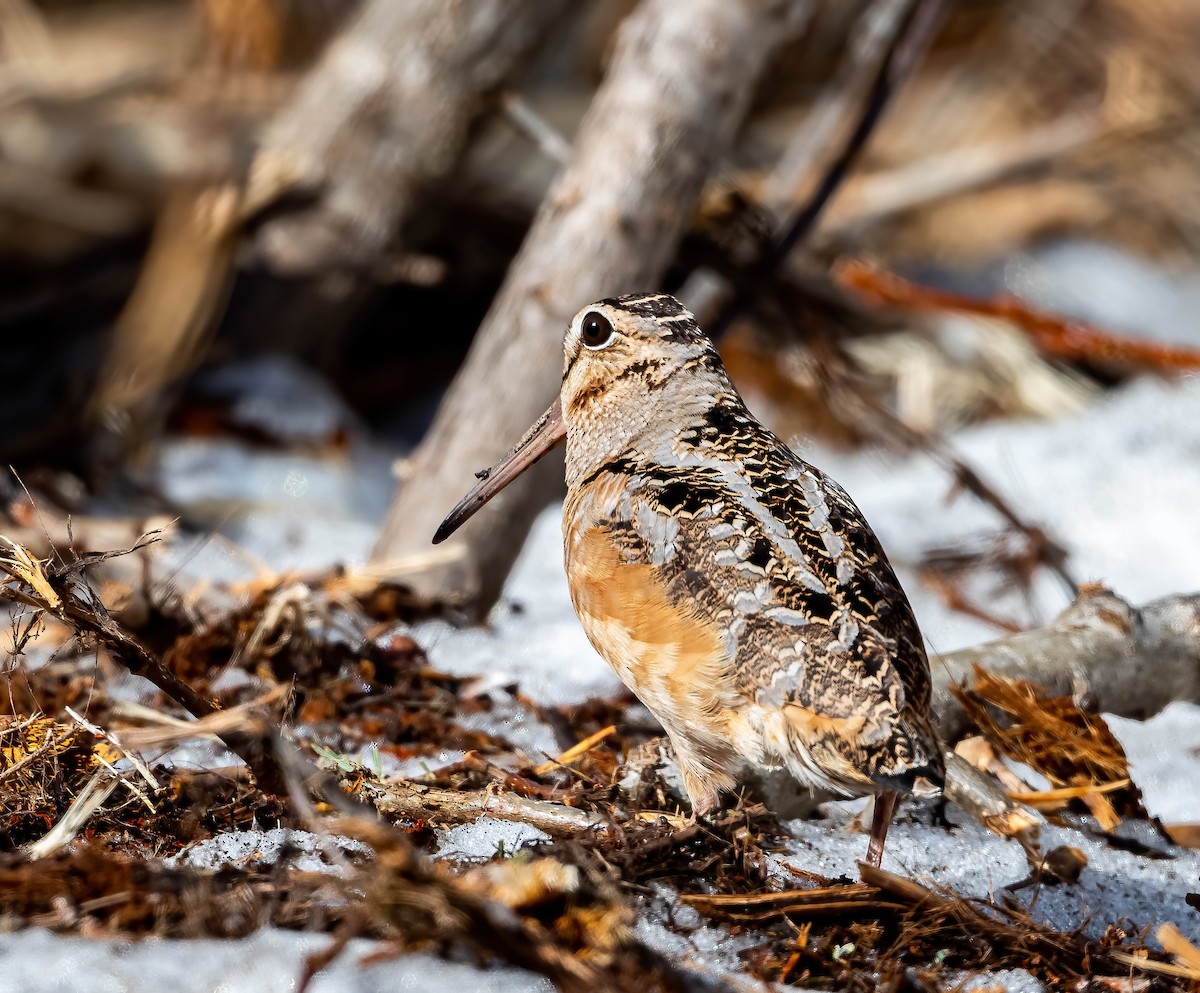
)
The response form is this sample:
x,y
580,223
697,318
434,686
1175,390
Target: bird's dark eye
x,y
595,330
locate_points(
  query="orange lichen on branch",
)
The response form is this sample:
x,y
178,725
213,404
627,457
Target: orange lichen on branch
x,y
1057,337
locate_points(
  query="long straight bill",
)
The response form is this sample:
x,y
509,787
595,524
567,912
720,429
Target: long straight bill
x,y
547,433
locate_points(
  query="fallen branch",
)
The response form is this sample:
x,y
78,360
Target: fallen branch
x,y
385,114
984,800
1120,659
414,801
162,332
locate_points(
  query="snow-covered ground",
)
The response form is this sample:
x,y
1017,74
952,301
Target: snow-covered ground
x,y
270,961
1118,484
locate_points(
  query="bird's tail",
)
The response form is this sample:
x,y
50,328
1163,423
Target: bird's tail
x,y
915,753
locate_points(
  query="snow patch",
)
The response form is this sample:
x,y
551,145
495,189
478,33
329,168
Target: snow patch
x,y
240,849
486,838
269,961
1164,760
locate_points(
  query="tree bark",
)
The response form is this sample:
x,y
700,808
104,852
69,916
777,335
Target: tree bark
x,y
383,116
676,91
1122,659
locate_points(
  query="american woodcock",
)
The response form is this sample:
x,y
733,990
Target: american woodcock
x,y
735,589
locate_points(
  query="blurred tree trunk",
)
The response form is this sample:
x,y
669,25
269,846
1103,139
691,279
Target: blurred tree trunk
x,y
384,115
678,86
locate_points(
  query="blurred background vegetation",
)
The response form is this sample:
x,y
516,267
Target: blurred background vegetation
x,y
182,189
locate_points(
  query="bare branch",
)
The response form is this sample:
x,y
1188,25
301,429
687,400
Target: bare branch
x,y
1121,659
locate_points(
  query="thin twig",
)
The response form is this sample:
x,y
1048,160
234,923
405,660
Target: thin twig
x,y
877,29
91,616
907,45
402,798
134,760
1059,337
534,126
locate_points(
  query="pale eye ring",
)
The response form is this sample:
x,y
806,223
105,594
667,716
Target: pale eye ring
x,y
595,331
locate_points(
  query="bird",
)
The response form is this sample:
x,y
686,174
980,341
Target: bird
x,y
736,590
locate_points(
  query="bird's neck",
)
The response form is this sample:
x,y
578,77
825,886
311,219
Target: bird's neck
x,y
647,429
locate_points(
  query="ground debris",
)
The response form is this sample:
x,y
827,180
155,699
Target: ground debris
x,y
1071,747
887,930
298,655
44,765
92,891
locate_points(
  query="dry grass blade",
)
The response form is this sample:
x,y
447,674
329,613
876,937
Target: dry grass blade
x,y
166,731
1153,965
91,799
1187,954
80,607
1185,835
576,751
28,569
1056,798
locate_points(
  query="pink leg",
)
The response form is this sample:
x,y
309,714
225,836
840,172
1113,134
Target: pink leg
x,y
881,819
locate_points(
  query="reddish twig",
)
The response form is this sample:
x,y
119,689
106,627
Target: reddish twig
x,y
1058,337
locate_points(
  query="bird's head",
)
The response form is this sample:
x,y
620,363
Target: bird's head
x,y
634,368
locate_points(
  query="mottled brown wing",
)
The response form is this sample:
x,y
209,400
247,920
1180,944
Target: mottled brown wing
x,y
777,554
879,592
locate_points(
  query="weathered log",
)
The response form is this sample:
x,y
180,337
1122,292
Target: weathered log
x,y
385,114
677,89
1121,659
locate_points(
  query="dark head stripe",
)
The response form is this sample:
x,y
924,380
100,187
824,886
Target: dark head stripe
x,y
674,318
653,305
